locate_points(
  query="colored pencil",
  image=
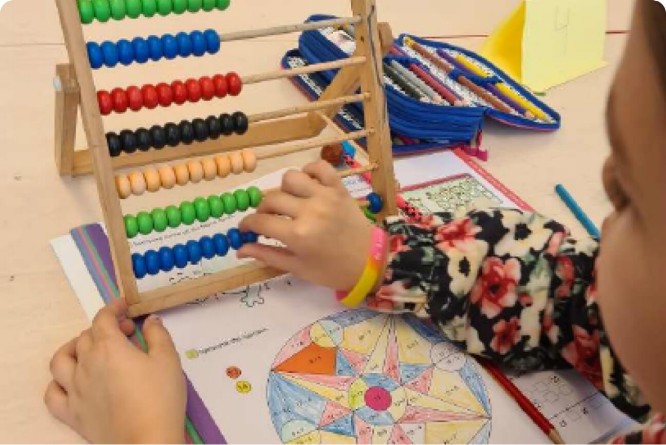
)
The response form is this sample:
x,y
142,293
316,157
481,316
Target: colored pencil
x,y
577,211
525,404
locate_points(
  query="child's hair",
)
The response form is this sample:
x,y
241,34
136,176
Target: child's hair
x,y
655,27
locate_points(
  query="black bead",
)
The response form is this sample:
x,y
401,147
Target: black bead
x,y
128,139
158,136
240,122
143,139
227,124
186,132
214,127
114,143
200,130
172,134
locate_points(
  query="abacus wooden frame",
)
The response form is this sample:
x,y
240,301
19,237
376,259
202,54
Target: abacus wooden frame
x,y
75,89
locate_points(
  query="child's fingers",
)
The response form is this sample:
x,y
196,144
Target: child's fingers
x,y
63,364
84,343
158,338
270,226
280,203
106,323
55,399
299,184
127,326
273,256
324,173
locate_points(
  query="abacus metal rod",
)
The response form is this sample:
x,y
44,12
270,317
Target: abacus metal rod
x,y
288,29
312,106
293,72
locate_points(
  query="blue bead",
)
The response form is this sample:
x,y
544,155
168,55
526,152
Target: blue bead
x,y
167,259
212,41
139,265
207,247
180,256
194,251
184,44
375,203
221,244
235,239
155,48
250,237
141,50
169,46
152,262
95,56
125,52
198,40
110,52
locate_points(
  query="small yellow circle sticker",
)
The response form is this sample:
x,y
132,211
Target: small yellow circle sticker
x,y
243,387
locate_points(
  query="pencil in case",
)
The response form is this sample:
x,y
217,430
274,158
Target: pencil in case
x,y
429,106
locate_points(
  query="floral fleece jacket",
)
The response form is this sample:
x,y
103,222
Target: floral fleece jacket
x,y
514,287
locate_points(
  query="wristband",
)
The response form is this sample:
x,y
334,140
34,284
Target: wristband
x,y
370,276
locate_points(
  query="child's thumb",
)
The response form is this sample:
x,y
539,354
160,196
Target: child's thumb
x,y
157,337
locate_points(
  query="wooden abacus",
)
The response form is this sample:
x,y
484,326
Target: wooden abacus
x,y
109,152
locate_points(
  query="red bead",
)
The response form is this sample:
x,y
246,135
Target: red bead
x,y
207,88
120,100
105,102
179,92
193,90
234,83
134,98
150,98
164,94
220,83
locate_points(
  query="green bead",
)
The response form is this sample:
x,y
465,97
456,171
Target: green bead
x,y
133,8
187,212
242,200
255,196
148,7
179,6
193,5
86,11
145,223
131,226
118,9
160,220
229,203
102,10
372,217
202,208
208,5
164,7
216,206
173,216
223,4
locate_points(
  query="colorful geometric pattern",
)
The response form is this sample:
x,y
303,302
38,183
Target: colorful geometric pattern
x,y
364,377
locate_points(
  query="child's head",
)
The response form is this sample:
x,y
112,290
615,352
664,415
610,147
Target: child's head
x,y
632,271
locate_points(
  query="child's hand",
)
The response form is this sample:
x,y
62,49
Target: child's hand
x,y
327,236
109,391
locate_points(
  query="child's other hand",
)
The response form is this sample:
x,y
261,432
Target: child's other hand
x,y
109,391
327,236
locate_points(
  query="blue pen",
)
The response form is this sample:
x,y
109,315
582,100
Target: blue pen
x,y
577,211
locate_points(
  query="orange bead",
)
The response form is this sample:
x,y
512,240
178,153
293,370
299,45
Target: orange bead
x,y
196,171
138,183
236,162
167,176
153,182
223,165
209,168
182,174
123,186
249,160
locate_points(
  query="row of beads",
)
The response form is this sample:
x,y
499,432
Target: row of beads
x,y
179,256
152,179
170,134
201,209
153,48
103,10
162,94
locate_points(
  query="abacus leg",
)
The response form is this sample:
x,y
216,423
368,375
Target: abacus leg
x,y
66,112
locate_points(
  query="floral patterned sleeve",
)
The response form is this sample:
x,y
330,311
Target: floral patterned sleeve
x,y
509,285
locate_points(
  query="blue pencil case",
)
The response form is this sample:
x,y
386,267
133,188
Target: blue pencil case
x,y
438,94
